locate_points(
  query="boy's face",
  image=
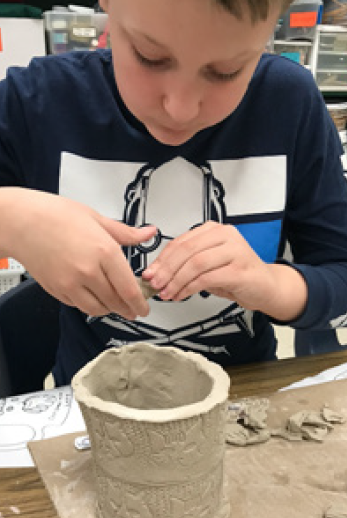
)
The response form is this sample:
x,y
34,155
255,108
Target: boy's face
x,y
183,65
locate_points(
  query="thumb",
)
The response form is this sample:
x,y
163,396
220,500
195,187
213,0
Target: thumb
x,y
126,235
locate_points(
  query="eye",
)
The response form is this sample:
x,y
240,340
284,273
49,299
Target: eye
x,y
150,63
214,75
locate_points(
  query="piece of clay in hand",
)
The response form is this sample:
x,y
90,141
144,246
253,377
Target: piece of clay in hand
x,y
147,290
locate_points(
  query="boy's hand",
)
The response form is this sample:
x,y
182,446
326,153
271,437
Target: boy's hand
x,y
217,259
73,252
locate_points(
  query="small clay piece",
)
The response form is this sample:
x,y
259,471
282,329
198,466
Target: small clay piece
x,y
254,417
259,437
146,288
238,435
331,416
309,424
336,511
247,423
284,434
156,420
249,412
307,418
313,425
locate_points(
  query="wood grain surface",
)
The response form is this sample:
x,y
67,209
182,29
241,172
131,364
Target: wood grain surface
x,y
265,378
23,494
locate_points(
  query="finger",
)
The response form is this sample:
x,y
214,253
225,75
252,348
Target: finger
x,y
90,304
106,298
94,294
126,235
194,270
85,301
212,281
178,241
123,282
179,252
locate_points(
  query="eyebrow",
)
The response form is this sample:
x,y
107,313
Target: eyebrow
x,y
147,37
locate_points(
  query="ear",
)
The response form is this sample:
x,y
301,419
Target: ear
x,y
104,5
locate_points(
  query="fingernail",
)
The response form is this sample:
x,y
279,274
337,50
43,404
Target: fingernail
x,y
164,294
147,274
149,227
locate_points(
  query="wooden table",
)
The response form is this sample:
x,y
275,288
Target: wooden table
x,y
264,378
22,491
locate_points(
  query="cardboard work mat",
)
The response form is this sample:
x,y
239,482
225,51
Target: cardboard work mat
x,y
270,480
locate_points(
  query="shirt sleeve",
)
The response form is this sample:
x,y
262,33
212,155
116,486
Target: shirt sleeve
x,y
316,223
27,122
14,135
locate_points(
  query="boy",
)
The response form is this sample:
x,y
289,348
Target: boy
x,y
185,157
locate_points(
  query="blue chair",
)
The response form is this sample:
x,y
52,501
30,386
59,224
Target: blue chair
x,y
29,337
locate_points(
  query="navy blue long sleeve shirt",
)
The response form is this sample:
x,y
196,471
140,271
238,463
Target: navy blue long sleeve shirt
x,y
272,168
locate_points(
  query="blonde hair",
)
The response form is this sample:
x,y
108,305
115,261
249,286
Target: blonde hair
x,y
258,9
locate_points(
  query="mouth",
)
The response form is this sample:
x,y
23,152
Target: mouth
x,y
174,131
171,135
174,134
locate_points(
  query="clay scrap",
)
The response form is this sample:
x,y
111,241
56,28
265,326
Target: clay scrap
x,y
247,424
147,290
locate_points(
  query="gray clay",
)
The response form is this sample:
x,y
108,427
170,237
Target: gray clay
x,y
156,419
147,290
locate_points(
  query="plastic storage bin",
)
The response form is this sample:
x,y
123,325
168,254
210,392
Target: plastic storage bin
x,y
75,31
338,113
10,274
331,81
298,51
333,41
330,58
333,62
300,20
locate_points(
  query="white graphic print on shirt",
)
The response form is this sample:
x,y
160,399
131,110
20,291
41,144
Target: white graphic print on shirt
x,y
175,197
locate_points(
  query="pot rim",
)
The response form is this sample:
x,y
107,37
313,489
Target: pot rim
x,y
218,394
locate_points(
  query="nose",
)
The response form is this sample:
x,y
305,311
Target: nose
x,y
182,102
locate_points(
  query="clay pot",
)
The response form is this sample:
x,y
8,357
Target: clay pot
x,y
156,419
